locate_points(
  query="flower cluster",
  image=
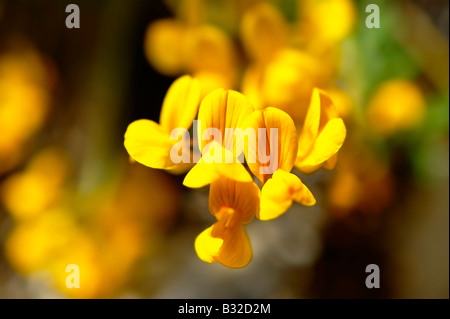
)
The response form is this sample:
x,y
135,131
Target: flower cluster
x,y
234,198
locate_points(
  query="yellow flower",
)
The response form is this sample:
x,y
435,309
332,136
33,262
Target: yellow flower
x,y
31,245
205,51
24,102
222,111
396,105
28,194
322,135
324,23
233,204
286,82
150,143
279,187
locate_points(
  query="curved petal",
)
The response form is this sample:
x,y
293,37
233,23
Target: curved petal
x,y
243,198
207,246
279,192
229,246
326,145
180,104
224,110
203,173
280,130
149,144
311,126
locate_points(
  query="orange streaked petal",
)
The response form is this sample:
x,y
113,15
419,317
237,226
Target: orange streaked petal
x,y
277,122
241,197
180,104
223,109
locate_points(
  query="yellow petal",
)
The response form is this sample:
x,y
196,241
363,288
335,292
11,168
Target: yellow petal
x,y
203,173
223,109
280,139
243,198
208,247
180,104
311,126
328,110
279,192
229,246
149,144
326,145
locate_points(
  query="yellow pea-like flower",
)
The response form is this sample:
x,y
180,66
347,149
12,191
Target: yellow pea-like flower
x,y
221,113
234,204
322,135
150,143
279,138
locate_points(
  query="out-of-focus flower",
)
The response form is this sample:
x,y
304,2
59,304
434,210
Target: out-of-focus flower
x,y
186,45
24,102
279,187
150,143
233,204
29,193
224,111
264,31
322,135
397,105
164,46
362,183
32,244
325,23
286,82
103,233
281,74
